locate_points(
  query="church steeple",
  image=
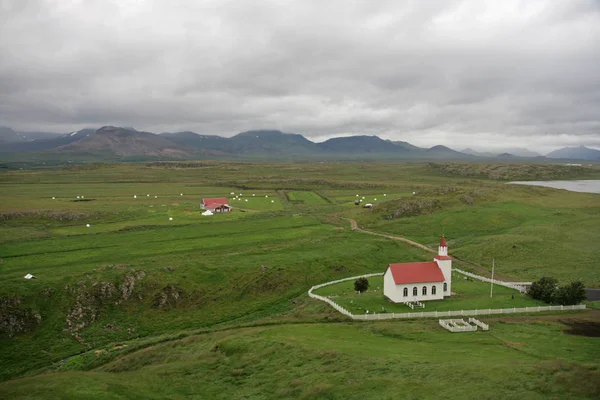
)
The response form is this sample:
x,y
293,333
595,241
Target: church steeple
x,y
443,249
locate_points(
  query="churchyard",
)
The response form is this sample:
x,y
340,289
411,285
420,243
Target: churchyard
x,y
139,305
469,294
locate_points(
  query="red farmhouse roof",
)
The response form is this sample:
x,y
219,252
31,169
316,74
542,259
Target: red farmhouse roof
x,y
215,201
443,242
416,272
443,258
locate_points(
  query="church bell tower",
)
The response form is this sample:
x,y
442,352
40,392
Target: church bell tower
x,y
444,262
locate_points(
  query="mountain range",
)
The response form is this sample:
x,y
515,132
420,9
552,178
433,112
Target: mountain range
x,y
111,142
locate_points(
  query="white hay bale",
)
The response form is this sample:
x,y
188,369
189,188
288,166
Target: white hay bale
x,y
272,201
170,218
135,196
77,196
54,198
148,195
88,225
181,194
156,197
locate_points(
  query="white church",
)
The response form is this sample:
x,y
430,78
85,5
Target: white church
x,y
420,281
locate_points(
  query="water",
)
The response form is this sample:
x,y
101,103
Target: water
x,y
585,186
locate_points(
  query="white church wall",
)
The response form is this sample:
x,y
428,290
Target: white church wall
x,y
389,287
396,292
446,267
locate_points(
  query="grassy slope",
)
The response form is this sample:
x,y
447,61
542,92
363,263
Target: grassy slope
x,y
217,262
530,231
340,361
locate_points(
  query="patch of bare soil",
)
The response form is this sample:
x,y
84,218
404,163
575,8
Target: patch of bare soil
x,y
582,328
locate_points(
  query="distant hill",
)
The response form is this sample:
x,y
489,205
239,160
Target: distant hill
x,y
521,152
124,142
273,142
506,155
444,152
361,145
406,145
576,153
518,152
7,135
196,141
46,144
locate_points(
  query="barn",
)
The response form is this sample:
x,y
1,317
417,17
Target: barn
x,y
216,204
420,281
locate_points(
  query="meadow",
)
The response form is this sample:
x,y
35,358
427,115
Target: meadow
x,y
139,305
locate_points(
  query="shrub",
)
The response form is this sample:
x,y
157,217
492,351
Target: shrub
x,y
361,285
543,289
573,293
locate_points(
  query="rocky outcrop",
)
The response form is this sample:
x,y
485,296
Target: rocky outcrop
x,y
15,318
169,297
91,298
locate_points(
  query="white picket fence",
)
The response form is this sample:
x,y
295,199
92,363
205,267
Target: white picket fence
x,y
466,313
511,285
480,324
460,325
457,325
432,314
331,302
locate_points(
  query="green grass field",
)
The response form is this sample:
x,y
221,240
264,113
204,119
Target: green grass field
x,y
141,306
305,197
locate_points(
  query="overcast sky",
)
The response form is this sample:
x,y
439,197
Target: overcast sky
x,y
480,74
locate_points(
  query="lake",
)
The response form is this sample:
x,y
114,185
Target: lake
x,y
586,186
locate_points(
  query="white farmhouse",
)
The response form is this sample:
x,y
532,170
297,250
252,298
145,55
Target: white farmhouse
x,y
420,281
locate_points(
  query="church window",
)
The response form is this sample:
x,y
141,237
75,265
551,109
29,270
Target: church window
x,y
405,292
433,290
445,287
424,290
415,291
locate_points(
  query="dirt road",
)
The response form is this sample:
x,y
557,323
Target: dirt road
x,y
478,269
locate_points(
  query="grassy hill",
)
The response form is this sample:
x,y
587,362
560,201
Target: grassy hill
x,y
141,306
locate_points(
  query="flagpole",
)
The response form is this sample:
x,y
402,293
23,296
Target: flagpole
x,y
492,282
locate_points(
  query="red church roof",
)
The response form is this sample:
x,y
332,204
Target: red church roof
x,y
215,201
416,272
443,242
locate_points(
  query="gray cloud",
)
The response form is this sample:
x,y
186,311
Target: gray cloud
x,y
473,73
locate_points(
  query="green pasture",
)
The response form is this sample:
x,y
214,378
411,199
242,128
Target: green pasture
x,y
217,307
305,197
468,295
418,359
258,202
